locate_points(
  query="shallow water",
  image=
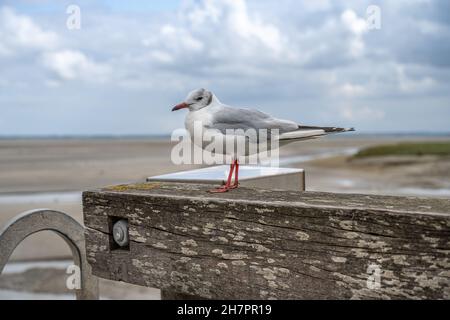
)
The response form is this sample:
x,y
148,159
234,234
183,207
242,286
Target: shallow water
x,y
40,197
348,184
25,295
19,267
284,161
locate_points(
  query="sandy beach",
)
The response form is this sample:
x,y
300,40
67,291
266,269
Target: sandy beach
x,y
53,173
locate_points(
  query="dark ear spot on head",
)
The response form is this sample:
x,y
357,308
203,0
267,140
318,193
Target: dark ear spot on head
x,y
209,99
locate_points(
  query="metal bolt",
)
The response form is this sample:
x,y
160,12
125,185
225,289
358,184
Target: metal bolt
x,y
120,232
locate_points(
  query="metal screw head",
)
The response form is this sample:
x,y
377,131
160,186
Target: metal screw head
x,y
120,233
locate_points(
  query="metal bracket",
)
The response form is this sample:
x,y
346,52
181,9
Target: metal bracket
x,y
68,228
120,233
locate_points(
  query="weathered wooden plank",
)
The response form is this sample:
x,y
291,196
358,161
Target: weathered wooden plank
x,y
259,244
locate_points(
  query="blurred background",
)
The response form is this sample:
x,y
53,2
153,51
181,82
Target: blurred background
x,y
86,89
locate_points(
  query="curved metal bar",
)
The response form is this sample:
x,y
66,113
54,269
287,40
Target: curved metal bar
x,y
68,228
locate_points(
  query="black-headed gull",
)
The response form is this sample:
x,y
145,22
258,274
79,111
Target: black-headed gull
x,y
211,114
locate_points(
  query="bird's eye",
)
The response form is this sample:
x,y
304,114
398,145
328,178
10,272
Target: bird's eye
x,y
198,98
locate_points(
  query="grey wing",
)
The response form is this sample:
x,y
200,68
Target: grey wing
x,y
240,118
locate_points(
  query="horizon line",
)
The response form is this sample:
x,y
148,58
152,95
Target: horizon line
x,y
168,135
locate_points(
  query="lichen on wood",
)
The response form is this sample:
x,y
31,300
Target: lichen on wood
x,y
134,186
262,244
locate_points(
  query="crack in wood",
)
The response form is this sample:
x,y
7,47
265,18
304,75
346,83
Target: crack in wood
x,y
257,244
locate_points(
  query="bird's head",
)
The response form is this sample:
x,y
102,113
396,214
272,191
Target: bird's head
x,y
195,100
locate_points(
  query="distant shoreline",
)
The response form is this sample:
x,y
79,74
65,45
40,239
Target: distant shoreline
x,y
167,136
88,137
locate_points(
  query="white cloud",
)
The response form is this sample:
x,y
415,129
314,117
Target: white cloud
x,y
430,28
161,56
292,59
361,113
351,90
198,15
357,26
71,64
317,5
411,85
18,32
239,22
179,40
222,30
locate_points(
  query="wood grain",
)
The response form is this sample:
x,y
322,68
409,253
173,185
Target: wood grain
x,y
260,244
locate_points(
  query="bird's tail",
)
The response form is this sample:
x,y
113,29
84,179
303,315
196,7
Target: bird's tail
x,y
310,132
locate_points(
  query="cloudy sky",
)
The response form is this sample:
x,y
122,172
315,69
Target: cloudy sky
x,y
313,61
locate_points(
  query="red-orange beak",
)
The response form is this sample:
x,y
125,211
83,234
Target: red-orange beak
x,y
180,106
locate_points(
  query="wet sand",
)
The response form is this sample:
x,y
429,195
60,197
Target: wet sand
x,y
52,174
63,165
55,165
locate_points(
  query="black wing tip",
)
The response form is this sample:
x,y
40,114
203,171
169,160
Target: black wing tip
x,y
342,129
326,129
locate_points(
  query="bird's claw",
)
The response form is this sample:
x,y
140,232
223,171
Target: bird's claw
x,y
220,189
224,188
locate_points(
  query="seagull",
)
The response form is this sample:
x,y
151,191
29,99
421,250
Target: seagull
x,y
206,109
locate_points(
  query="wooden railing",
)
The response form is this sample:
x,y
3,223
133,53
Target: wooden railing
x,y
261,244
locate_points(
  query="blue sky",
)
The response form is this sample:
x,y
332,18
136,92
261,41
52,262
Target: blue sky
x,y
315,62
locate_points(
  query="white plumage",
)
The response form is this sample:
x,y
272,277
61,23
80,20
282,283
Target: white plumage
x,y
216,117
207,115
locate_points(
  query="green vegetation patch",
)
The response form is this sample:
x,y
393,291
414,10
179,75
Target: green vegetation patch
x,y
407,149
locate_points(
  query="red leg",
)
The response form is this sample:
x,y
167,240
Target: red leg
x,y
230,174
227,185
236,175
